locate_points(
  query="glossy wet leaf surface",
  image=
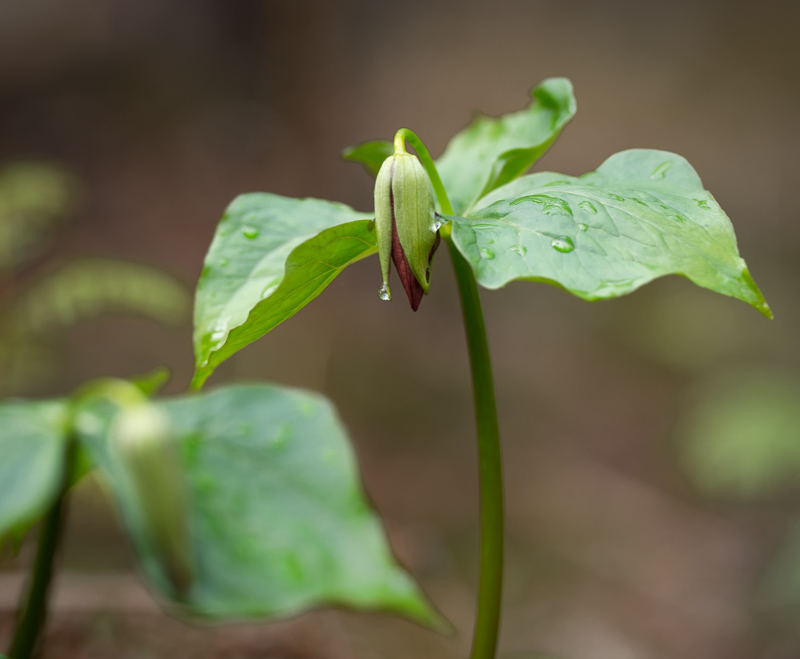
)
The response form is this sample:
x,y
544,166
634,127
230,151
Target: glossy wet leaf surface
x,y
270,257
493,151
643,214
278,517
33,448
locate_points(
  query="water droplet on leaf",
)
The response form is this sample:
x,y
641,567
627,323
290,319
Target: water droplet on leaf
x,y
519,249
588,206
486,253
702,203
550,205
563,244
249,232
616,196
582,226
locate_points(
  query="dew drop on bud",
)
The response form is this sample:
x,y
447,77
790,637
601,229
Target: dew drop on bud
x,y
384,293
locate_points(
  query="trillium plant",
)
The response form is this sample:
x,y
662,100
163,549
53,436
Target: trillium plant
x,y
245,502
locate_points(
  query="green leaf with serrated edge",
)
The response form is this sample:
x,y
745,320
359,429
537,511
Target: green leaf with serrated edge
x,y
370,154
33,441
270,257
643,214
493,151
278,518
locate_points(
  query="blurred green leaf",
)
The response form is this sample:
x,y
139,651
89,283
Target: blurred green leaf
x,y
370,154
151,383
490,152
270,257
91,287
33,445
278,517
33,198
643,214
740,437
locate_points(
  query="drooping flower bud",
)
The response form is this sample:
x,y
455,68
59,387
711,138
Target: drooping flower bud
x,y
143,440
405,224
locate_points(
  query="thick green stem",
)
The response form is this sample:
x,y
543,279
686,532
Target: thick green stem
x,y
487,620
33,614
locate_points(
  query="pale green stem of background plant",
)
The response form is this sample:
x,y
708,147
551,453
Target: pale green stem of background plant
x,y
487,619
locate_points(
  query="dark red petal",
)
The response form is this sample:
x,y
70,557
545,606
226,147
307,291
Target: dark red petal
x,y
413,288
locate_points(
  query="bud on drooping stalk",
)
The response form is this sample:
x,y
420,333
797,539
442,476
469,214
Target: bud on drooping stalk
x,y
143,439
405,224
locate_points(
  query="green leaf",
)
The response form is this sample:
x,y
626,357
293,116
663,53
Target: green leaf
x,y
270,257
370,154
278,517
740,439
33,445
643,214
493,151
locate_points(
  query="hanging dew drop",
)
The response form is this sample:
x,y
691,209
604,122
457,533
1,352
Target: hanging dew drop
x,y
384,293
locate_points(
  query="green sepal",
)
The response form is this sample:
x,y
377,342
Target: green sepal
x,y
383,222
404,198
415,214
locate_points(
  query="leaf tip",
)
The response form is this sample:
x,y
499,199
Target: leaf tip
x,y
757,301
199,379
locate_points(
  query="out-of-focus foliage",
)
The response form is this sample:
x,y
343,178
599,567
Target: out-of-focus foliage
x,y
740,440
741,436
34,199
33,443
260,481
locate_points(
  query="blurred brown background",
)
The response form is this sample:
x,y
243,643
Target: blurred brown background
x,y
165,110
